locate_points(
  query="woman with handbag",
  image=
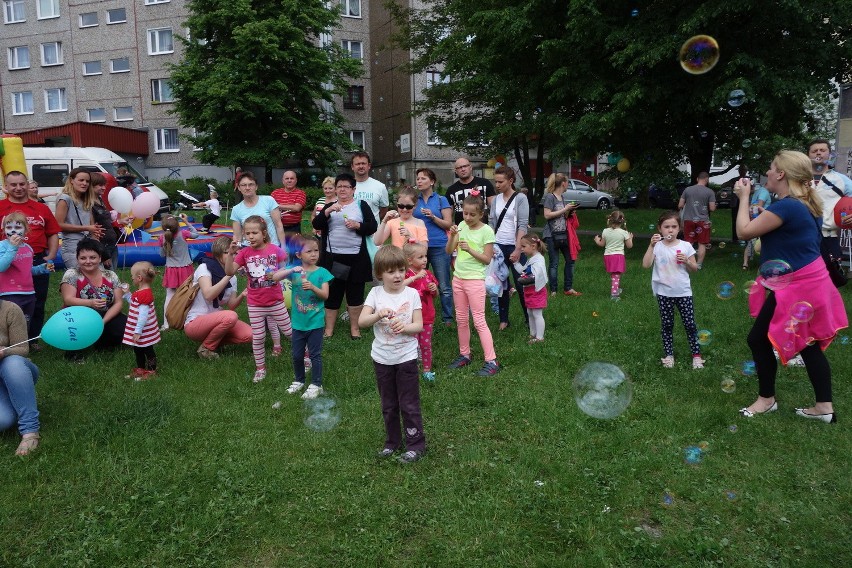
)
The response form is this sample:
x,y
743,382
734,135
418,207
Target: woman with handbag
x,y
74,214
560,234
344,225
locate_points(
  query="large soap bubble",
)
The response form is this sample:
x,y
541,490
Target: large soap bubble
x,y
602,390
699,54
736,98
322,413
777,274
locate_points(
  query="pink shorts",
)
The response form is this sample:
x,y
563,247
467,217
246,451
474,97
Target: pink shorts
x,y
614,263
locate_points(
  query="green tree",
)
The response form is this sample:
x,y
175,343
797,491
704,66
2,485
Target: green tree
x,y
253,80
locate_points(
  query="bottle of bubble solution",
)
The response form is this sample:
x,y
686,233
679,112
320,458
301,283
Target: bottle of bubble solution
x,y
677,252
125,288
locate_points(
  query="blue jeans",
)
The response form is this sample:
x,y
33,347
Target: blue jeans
x,y
313,341
553,265
503,301
18,377
439,260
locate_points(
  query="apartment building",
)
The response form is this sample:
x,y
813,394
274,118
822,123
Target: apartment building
x,y
106,62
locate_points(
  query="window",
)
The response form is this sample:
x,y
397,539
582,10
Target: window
x,y
121,114
357,138
351,8
354,98
19,57
160,41
116,16
91,68
434,78
50,175
96,115
22,103
353,48
166,140
88,19
51,53
149,2
47,9
161,91
120,65
14,11
55,100
432,137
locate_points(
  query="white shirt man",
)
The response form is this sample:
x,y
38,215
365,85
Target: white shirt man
x,y
370,190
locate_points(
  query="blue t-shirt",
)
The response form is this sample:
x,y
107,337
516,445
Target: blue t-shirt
x,y
797,240
308,310
437,235
761,194
264,206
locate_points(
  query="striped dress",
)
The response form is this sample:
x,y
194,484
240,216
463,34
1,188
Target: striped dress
x,y
150,331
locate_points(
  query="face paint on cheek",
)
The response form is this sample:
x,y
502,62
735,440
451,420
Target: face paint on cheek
x,y
13,229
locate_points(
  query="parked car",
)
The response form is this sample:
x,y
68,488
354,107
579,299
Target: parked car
x,y
666,197
628,199
587,196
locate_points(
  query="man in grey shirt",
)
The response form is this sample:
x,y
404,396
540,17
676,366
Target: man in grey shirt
x,y
697,202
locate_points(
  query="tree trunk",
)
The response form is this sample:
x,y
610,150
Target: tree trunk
x,y
701,156
267,174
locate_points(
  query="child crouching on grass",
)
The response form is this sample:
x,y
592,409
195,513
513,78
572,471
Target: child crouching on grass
x,y
394,311
426,284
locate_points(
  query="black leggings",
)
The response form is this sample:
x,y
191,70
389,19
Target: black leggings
x,y
819,371
145,358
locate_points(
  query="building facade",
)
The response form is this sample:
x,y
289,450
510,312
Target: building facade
x,y
106,62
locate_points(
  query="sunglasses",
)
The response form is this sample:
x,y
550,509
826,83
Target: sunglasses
x,y
407,207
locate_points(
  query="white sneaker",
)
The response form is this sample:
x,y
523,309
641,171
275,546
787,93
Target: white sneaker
x,y
164,327
796,361
312,392
295,387
344,316
668,362
697,363
259,375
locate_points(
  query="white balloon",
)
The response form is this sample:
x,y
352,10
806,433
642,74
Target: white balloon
x,y
120,199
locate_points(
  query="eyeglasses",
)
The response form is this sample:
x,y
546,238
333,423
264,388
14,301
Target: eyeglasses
x,y
406,207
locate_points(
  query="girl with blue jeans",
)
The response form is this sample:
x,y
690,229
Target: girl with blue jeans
x,y
17,379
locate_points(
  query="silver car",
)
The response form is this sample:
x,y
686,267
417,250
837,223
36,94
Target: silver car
x,y
587,196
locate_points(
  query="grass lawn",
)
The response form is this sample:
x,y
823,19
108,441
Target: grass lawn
x,y
196,468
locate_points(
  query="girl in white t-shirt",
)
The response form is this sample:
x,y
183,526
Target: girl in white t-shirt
x,y
614,239
394,311
673,260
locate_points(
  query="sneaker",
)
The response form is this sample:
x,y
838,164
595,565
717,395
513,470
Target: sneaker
x,y
489,369
668,362
700,266
796,361
697,363
164,327
136,373
385,453
615,298
146,376
429,376
344,316
205,353
295,387
409,457
276,350
461,361
259,375
312,392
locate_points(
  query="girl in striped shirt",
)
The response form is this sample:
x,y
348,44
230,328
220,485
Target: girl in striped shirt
x,y
141,331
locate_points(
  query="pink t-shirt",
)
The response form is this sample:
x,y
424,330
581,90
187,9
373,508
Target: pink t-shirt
x,y
258,263
427,301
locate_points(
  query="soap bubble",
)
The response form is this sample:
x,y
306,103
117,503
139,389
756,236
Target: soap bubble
x,y
777,274
730,495
749,368
728,386
705,337
725,290
802,312
747,143
699,54
668,499
844,340
634,12
742,244
722,245
692,455
602,390
736,98
321,414
733,428
651,227
276,405
751,287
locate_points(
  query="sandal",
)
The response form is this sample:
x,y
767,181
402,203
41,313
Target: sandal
x,y
535,340
29,442
276,351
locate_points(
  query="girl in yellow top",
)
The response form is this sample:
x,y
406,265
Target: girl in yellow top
x,y
400,225
475,242
614,239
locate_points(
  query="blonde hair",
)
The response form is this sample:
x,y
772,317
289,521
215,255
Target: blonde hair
x,y
144,269
410,249
555,180
171,226
798,171
220,246
19,217
615,219
328,179
534,241
89,199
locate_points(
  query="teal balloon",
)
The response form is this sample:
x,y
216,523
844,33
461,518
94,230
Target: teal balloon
x,y
73,328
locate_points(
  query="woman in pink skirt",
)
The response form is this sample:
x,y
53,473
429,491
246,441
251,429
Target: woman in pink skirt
x,y
614,239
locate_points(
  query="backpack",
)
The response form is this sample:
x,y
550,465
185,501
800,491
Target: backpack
x,y
180,303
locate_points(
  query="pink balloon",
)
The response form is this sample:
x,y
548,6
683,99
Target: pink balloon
x,y
145,205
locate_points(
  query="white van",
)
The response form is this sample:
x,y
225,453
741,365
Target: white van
x,y
50,167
